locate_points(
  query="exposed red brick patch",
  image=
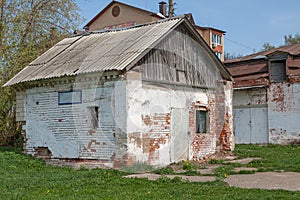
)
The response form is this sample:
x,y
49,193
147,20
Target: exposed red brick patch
x,y
277,96
91,132
224,139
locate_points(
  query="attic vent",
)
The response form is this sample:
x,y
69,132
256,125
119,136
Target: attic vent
x,y
278,71
116,11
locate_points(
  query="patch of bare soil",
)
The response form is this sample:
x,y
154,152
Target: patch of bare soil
x,y
153,177
266,180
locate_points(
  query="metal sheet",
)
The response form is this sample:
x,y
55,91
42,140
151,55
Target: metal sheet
x,y
179,135
111,50
251,125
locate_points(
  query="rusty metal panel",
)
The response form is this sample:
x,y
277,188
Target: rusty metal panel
x,y
292,50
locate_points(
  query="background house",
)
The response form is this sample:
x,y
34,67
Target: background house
x,y
153,93
118,15
267,95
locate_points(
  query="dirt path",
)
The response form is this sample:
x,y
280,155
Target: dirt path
x,y
266,180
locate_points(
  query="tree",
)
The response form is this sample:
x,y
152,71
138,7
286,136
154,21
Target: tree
x,y
231,56
290,39
267,46
27,29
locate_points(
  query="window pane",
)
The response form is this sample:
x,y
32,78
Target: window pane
x,y
213,38
69,97
201,121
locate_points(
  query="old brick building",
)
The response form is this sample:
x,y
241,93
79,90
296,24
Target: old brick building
x,y
152,93
267,95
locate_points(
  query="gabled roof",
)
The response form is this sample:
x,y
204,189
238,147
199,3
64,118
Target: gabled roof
x,y
291,49
105,51
111,4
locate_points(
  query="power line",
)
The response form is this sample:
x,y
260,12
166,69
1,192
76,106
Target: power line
x,y
241,44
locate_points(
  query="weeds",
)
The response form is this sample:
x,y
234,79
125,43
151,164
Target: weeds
x,y
24,177
138,168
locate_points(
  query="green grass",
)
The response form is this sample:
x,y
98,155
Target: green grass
x,y
24,177
273,157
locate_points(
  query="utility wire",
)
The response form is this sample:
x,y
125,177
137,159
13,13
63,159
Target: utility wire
x,y
240,44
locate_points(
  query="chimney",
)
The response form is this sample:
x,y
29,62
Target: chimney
x,y
163,8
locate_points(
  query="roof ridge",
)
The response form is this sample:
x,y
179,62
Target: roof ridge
x,y
136,26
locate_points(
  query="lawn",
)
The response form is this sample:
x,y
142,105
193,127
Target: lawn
x,y
24,177
273,157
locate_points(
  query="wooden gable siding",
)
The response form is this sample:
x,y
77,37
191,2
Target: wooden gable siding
x,y
180,59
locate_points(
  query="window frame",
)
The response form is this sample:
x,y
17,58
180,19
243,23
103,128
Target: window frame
x,y
206,120
275,74
72,100
216,39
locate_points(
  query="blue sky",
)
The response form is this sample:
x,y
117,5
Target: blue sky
x,y
248,24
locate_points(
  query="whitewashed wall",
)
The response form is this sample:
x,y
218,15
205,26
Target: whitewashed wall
x,y
63,128
139,121
150,113
284,113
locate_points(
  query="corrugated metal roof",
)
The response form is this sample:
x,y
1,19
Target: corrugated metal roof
x,y
292,50
96,52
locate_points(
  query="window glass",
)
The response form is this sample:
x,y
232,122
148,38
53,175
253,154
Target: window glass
x,y
201,121
69,97
219,55
216,39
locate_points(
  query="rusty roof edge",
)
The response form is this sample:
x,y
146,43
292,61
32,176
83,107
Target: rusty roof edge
x,y
250,57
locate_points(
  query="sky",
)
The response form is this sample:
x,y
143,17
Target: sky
x,y
248,23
